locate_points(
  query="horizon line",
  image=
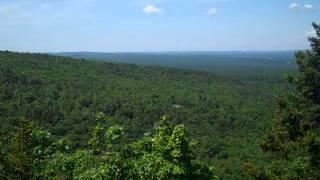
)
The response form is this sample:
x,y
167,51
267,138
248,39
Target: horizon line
x,y
154,52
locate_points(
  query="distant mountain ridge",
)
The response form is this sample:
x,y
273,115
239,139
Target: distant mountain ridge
x,y
197,60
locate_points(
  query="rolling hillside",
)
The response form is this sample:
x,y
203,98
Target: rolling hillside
x,y
227,116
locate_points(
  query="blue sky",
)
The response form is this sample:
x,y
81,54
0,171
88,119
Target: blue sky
x,y
156,25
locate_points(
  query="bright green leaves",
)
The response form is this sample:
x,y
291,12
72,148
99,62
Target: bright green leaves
x,y
163,155
169,156
68,166
105,138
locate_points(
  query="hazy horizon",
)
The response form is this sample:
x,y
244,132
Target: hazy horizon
x,y
160,51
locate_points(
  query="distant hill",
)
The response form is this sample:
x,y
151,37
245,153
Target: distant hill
x,y
216,61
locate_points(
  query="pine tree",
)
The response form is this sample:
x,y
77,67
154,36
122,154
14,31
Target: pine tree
x,y
294,139
23,154
315,41
20,155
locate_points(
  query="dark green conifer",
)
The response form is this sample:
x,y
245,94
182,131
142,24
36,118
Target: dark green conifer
x,y
294,139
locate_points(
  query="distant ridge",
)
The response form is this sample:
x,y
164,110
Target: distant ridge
x,y
196,60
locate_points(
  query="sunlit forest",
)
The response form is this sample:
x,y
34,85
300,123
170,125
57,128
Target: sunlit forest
x,y
159,90
63,96
68,118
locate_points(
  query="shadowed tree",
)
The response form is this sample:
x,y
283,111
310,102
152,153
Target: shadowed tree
x,y
294,139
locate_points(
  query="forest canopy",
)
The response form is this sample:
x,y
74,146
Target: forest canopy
x,y
79,119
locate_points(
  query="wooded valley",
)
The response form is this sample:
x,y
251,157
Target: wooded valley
x,y
66,118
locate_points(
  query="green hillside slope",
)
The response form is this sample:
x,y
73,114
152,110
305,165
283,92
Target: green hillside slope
x,y
227,116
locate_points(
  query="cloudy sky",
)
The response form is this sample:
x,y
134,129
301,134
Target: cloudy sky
x,y
156,25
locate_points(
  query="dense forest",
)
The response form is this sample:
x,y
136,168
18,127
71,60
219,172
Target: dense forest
x,y
63,95
65,118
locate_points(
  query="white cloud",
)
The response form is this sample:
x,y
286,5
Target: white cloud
x,y
151,9
294,5
211,11
308,7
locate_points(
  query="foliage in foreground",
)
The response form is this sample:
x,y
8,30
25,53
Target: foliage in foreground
x,y
294,139
31,154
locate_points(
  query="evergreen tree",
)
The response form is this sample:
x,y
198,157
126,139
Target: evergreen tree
x,y
20,155
24,154
315,41
294,139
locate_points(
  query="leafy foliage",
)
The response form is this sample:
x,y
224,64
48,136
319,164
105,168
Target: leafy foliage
x,y
165,155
